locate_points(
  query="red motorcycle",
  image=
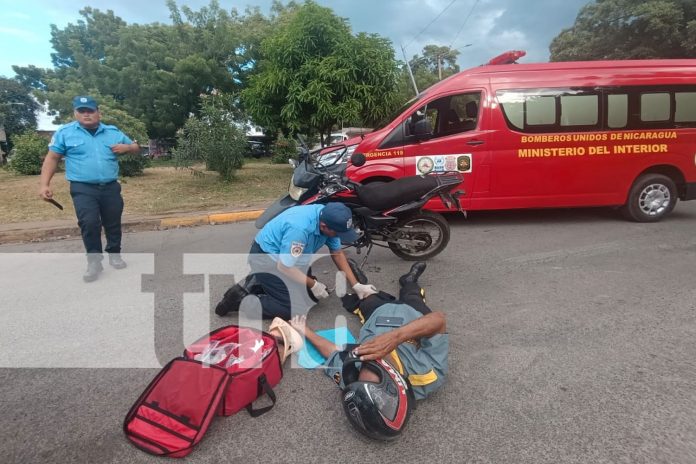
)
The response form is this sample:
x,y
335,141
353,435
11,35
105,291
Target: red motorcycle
x,y
389,214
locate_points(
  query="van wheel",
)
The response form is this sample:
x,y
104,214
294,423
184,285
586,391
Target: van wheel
x,y
651,198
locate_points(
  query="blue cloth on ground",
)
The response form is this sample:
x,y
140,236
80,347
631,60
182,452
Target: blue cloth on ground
x,y
309,356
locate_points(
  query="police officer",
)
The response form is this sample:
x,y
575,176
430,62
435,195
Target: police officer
x,y
90,150
279,258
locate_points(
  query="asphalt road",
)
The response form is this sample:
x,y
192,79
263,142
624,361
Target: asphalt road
x,y
573,340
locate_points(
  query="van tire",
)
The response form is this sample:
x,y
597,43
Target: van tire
x,y
652,197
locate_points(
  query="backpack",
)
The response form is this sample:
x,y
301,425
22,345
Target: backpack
x,y
219,374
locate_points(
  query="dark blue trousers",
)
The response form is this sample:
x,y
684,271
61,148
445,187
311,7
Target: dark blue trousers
x,y
270,289
97,206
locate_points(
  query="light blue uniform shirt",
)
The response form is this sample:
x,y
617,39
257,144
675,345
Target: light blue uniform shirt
x,y
88,158
294,233
425,364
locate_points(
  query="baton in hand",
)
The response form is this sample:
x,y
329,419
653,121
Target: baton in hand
x,y
55,203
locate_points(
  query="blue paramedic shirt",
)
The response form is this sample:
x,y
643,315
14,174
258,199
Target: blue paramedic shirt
x,y
88,158
294,233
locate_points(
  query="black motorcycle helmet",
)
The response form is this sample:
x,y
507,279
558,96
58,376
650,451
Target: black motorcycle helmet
x,y
379,410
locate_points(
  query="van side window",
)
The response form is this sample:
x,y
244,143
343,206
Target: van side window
x,y
541,110
448,115
598,108
550,110
617,111
443,117
424,116
579,110
686,107
654,107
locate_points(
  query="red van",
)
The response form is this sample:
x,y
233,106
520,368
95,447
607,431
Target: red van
x,y
548,135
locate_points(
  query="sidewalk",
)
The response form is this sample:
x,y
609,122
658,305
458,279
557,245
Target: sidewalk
x,y
60,229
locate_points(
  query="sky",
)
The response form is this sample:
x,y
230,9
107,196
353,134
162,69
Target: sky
x,y
490,27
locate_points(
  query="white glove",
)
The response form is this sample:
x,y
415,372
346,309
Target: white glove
x,y
319,290
364,290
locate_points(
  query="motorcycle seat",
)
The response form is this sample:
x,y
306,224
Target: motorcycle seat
x,y
380,196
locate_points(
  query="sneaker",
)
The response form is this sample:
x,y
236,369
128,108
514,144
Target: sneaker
x,y
231,300
94,268
116,261
411,277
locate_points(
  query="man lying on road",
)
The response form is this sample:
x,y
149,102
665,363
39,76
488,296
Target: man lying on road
x,y
402,357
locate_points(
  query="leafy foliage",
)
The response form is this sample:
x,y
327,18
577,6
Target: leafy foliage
x,y
314,74
283,150
131,164
27,155
629,29
155,72
17,107
425,70
212,137
303,68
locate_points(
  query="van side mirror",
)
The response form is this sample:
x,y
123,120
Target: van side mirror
x,y
422,129
357,159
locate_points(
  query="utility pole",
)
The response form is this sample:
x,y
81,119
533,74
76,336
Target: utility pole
x,y
410,73
439,68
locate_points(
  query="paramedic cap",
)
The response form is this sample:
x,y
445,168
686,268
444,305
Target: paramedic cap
x,y
339,218
83,101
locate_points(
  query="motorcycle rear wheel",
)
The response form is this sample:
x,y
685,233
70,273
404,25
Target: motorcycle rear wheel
x,y
429,227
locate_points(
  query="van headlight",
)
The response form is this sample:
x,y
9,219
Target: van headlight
x,y
295,192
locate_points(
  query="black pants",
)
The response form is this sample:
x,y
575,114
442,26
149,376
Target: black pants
x,y
272,291
411,294
97,206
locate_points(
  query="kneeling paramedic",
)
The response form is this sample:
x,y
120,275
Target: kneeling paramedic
x,y
401,357
283,248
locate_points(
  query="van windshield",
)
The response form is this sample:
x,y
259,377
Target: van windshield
x,y
336,139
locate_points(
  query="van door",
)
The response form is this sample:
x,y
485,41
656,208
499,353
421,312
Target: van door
x,y
445,135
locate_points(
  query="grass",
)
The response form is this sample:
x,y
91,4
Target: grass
x,y
160,190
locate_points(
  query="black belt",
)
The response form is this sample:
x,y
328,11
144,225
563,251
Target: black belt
x,y
98,184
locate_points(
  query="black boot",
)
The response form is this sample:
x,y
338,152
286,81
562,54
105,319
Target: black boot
x,y
412,276
94,268
357,272
231,300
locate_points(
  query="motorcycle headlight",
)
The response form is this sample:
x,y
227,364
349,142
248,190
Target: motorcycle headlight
x,y
295,192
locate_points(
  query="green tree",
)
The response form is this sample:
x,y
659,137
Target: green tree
x,y
213,138
130,164
629,29
155,72
436,61
426,71
315,74
283,149
17,107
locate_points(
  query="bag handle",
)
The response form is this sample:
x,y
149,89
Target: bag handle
x,y
263,388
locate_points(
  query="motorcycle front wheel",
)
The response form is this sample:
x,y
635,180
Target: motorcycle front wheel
x,y
420,236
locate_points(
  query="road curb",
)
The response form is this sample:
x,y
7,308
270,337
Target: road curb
x,y
36,234
212,219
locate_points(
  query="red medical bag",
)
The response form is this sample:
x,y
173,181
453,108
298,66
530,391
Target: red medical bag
x,y
219,374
